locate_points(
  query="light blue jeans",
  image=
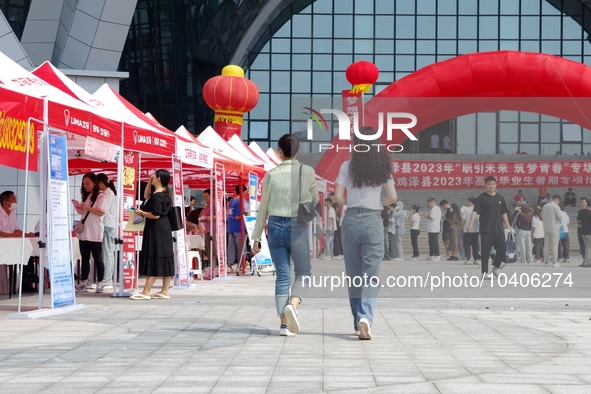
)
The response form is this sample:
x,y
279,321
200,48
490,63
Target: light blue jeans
x,y
328,243
109,235
398,244
363,247
287,237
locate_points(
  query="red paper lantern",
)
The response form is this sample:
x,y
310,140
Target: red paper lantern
x,y
230,95
362,75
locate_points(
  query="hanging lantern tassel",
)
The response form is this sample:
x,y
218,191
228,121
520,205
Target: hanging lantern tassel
x,y
228,117
364,87
362,75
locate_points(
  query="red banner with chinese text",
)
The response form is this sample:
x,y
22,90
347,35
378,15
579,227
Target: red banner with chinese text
x,y
16,132
130,184
426,174
181,277
353,104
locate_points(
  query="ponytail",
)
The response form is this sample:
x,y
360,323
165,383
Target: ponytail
x,y
167,196
103,178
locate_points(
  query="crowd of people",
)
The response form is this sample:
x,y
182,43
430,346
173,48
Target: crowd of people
x,y
360,227
542,231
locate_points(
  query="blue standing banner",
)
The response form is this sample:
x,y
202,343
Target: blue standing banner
x,y
59,249
253,183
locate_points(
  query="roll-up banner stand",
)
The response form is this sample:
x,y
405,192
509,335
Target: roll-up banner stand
x,y
53,176
59,253
253,183
128,268
181,277
220,220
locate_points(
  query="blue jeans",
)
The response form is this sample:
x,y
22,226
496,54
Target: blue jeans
x,y
363,247
328,243
287,237
398,244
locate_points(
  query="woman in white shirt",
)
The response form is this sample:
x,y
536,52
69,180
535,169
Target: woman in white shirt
x,y
364,176
110,227
284,187
537,234
414,231
92,208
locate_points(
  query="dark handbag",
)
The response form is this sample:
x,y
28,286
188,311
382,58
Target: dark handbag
x,y
511,251
306,210
175,217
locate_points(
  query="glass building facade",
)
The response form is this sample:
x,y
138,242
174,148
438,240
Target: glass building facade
x,y
16,12
174,47
309,53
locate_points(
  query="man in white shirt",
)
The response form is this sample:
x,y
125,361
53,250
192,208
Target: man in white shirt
x,y
471,237
434,142
552,216
8,225
447,144
331,226
433,228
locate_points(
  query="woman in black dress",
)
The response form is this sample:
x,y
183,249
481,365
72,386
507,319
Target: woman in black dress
x,y
157,257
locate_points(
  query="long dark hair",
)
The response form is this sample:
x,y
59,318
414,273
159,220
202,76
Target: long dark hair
x,y
455,213
525,215
371,168
164,179
95,191
538,212
194,216
107,182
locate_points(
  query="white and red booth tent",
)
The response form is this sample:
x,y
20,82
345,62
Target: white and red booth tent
x,y
239,145
235,165
211,138
257,150
274,155
60,110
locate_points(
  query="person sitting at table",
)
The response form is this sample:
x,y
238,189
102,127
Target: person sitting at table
x,y
8,225
9,229
193,225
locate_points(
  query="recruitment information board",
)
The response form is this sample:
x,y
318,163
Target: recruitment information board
x,y
60,261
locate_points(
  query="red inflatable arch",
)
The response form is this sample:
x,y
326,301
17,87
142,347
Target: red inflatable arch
x,y
479,82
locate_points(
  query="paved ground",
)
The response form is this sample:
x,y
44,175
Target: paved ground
x,y
221,337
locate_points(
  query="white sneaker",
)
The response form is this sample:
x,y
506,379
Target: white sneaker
x,y
436,258
468,262
92,286
487,277
398,259
502,266
291,315
565,261
429,258
108,287
476,262
556,265
547,264
414,258
364,329
341,257
284,332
